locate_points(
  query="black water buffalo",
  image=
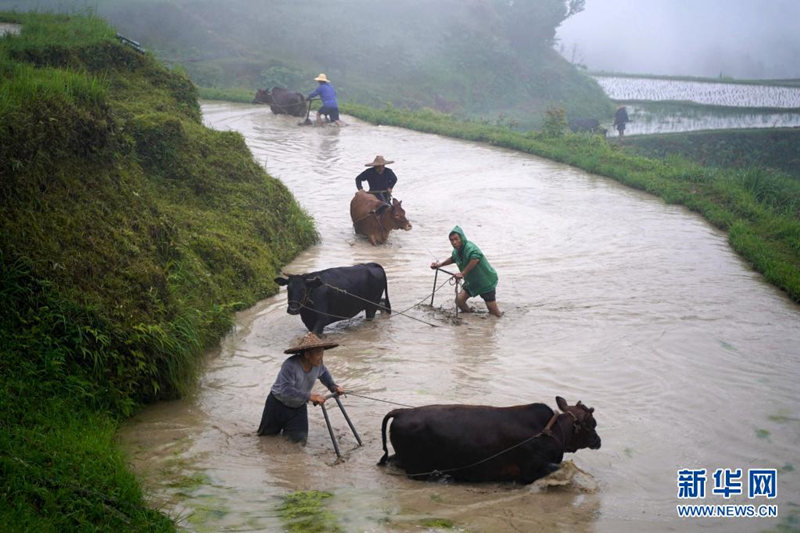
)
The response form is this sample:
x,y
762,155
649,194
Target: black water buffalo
x,y
281,101
579,125
481,443
327,296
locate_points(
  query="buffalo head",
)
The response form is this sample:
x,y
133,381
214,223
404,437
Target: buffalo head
x,y
298,290
263,96
584,433
399,220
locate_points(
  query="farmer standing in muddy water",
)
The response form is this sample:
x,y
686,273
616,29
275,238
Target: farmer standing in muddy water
x,y
480,279
326,93
286,407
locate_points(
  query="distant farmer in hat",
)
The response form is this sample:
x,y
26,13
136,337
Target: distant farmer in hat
x,y
620,119
327,94
285,408
381,179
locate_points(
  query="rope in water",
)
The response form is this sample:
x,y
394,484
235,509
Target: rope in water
x,y
348,393
378,305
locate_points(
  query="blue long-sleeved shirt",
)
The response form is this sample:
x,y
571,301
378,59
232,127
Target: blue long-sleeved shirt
x,y
293,384
326,93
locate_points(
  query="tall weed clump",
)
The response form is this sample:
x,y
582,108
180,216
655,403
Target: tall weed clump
x,y
129,235
63,110
55,40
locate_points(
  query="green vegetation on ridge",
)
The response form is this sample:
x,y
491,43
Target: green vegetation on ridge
x,y
478,59
778,149
129,235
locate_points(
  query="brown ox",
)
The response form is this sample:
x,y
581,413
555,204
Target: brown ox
x,y
482,443
375,219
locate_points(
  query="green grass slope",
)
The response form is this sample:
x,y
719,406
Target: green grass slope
x,y
778,149
129,234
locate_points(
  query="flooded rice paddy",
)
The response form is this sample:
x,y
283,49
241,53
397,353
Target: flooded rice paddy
x,y
741,106
647,119
637,308
700,92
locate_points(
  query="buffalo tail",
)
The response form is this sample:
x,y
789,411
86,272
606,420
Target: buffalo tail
x,y
389,416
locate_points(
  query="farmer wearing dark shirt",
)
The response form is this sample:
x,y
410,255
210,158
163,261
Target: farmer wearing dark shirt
x,y
620,119
381,179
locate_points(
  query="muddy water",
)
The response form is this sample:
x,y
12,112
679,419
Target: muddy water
x,y
637,308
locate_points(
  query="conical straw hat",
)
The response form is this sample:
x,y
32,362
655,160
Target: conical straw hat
x,y
311,341
378,161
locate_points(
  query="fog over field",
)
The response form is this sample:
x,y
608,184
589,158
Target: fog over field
x,y
736,38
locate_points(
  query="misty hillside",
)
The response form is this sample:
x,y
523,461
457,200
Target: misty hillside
x,y
491,59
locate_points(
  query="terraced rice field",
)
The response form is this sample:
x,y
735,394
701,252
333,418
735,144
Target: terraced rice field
x,y
708,93
671,105
649,119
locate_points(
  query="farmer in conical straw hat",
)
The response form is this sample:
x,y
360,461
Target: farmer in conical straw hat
x,y
326,93
380,178
286,407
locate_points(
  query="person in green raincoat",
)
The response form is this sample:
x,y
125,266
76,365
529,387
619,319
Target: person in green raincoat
x,y
480,279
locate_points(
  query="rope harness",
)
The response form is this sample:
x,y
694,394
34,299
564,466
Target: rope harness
x,y
307,299
348,393
450,279
374,213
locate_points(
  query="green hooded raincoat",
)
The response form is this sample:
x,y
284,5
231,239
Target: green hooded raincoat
x,y
482,278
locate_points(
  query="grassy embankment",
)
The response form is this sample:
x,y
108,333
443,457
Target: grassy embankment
x,y
129,235
738,149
